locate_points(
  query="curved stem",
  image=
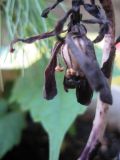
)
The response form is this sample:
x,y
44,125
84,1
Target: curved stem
x,y
100,120
34,38
47,10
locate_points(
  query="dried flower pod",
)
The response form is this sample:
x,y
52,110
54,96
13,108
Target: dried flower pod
x,y
50,89
75,77
84,92
79,54
82,69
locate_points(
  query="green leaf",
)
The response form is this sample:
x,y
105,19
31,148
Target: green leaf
x,y
11,126
3,107
56,115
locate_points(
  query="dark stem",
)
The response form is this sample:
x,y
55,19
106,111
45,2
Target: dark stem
x,y
34,38
47,10
76,16
100,120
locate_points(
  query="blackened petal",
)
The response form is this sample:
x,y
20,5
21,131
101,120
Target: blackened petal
x,y
70,83
117,40
103,30
106,96
84,93
90,68
47,10
50,89
94,10
106,68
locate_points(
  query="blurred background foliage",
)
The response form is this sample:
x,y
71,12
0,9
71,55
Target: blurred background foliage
x,y
22,77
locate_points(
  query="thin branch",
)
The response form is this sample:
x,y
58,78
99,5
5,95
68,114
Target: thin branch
x,y
100,120
34,38
47,10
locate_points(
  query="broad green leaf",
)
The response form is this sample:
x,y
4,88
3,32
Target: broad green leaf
x,y
3,107
11,126
56,115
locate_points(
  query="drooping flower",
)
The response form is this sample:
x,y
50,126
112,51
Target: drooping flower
x,y
82,71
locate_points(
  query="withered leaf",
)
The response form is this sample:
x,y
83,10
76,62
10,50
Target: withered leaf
x,y
84,93
108,65
94,10
32,39
92,71
50,89
104,28
47,10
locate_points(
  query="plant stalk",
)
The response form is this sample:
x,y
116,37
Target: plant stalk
x,y
100,120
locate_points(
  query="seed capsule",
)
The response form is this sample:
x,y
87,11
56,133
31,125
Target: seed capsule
x,y
83,71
